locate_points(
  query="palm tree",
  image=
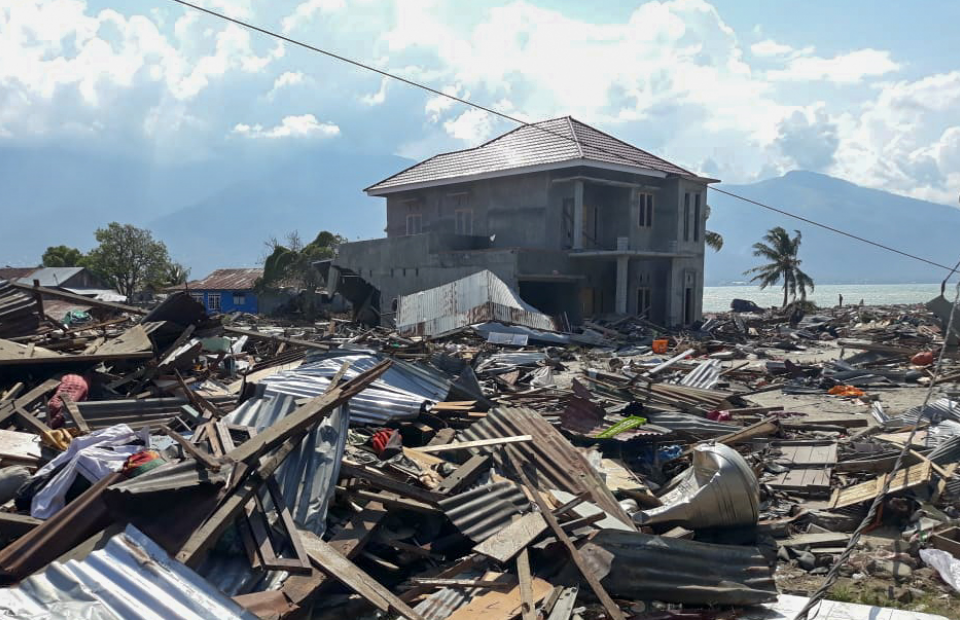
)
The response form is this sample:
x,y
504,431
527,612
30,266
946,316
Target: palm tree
x,y
784,265
712,239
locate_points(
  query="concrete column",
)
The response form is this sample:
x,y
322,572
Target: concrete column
x,y
578,215
623,268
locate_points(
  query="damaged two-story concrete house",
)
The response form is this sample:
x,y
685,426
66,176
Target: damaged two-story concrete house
x,y
575,220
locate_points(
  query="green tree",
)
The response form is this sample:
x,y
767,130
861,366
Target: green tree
x,y
175,274
781,250
712,239
291,264
62,256
128,258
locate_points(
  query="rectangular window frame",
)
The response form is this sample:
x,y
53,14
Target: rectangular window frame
x,y
644,300
213,302
645,210
239,299
686,216
414,223
696,216
463,223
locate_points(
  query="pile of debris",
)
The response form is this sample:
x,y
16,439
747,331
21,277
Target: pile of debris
x,y
165,463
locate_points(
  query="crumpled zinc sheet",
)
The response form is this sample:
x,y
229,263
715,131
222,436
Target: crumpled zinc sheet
x,y
93,456
946,564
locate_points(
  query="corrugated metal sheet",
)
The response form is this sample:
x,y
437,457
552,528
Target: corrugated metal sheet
x,y
445,601
689,423
50,277
943,408
307,477
559,464
705,375
398,394
587,419
478,298
483,511
130,578
228,280
637,566
18,311
138,413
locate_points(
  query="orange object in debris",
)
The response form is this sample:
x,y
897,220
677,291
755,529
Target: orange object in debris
x,y
846,390
923,358
661,345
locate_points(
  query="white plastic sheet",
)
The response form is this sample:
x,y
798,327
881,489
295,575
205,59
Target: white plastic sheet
x,y
946,564
93,456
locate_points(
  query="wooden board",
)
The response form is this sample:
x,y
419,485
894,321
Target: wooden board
x,y
349,574
807,453
509,541
480,443
500,605
913,476
817,539
806,480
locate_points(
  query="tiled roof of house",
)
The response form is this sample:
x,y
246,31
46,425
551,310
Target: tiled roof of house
x,y
228,280
548,142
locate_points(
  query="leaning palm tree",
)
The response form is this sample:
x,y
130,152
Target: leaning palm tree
x,y
711,238
784,265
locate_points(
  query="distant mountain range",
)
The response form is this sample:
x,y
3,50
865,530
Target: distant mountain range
x,y
219,213
925,229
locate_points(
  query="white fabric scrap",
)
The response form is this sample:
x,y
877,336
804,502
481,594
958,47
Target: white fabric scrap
x,y
946,564
94,456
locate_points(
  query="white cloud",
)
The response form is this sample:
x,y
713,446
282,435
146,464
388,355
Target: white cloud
x,y
769,47
305,12
437,104
302,126
377,98
286,80
471,126
65,66
844,69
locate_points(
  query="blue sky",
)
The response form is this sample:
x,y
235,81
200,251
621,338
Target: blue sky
x,y
866,91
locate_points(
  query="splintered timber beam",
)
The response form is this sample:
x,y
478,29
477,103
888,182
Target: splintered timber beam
x,y
87,301
307,415
330,561
283,437
591,579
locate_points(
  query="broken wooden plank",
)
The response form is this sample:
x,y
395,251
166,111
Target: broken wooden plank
x,y
509,541
528,609
811,481
309,344
804,453
73,412
329,560
349,541
479,443
382,481
87,301
905,479
465,475
307,415
396,502
192,450
817,539
500,605
608,603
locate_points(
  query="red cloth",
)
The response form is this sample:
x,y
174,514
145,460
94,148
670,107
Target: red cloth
x,y
74,386
386,443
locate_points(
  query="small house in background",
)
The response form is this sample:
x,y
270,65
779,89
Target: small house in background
x,y
227,290
78,280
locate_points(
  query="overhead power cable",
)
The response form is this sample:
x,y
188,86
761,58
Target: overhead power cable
x,y
514,119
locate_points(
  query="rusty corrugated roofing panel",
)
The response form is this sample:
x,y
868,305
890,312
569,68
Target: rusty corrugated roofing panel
x,y
477,298
637,566
559,464
484,510
228,279
18,311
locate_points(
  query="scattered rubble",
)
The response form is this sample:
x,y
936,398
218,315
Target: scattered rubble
x,y
469,465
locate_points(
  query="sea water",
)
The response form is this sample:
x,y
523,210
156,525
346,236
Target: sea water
x,y
718,298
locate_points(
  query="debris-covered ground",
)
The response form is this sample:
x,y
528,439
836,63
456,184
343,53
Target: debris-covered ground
x,y
160,463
